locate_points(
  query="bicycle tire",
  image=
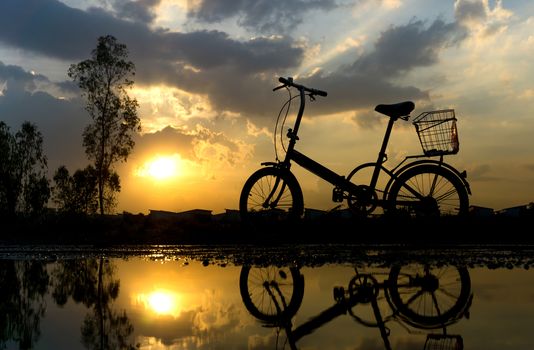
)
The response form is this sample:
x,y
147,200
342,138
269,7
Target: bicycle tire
x,y
442,193
253,282
288,205
412,288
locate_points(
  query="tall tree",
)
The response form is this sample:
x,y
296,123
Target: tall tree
x,y
104,80
24,187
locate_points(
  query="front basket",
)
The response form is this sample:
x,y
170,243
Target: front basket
x,y
437,132
443,342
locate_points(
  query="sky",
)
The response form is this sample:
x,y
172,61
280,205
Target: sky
x,y
205,70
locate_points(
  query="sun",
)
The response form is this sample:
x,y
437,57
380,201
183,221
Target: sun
x,y
161,167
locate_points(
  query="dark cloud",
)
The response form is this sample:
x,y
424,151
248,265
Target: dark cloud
x,y
60,121
470,11
15,75
137,11
236,75
402,48
53,29
264,16
368,81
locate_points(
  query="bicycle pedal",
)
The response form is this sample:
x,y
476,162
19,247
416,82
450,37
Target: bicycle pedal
x,y
339,294
337,195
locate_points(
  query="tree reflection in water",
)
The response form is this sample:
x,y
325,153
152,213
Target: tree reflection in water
x,y
24,284
92,283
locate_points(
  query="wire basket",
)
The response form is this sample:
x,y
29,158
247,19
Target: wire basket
x,y
437,132
443,342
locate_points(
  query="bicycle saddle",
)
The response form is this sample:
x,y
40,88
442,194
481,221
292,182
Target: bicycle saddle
x,y
396,110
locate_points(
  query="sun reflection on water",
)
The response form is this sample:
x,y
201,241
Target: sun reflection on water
x,y
160,302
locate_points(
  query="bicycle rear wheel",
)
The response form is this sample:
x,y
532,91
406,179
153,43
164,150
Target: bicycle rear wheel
x,y
427,191
429,297
271,194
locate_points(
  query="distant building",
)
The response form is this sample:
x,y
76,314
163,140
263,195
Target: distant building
x,y
313,214
517,211
475,210
198,215
229,215
162,214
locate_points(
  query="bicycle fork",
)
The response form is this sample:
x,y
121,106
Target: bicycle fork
x,y
269,203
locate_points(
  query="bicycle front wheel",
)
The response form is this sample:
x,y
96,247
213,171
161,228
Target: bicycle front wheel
x,y
428,191
271,194
271,293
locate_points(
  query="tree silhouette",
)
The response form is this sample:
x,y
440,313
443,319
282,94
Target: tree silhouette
x,y
24,187
77,193
24,284
104,80
92,283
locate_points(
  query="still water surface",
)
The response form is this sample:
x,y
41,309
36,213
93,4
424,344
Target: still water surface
x,y
198,298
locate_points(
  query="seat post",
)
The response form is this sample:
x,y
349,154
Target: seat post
x,y
382,154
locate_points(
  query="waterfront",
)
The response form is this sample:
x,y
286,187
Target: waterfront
x,y
191,297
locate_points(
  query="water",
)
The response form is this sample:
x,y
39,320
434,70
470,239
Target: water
x,y
324,297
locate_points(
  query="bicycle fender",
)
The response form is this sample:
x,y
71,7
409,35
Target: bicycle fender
x,y
461,175
288,172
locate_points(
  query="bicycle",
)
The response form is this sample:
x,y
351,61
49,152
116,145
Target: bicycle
x,y
416,187
421,296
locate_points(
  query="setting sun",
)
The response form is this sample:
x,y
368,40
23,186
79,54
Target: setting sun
x,y
161,167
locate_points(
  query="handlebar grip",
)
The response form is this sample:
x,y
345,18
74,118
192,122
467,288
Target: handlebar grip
x,y
319,92
289,82
285,81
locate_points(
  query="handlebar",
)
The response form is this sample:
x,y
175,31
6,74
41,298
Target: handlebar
x,y
289,82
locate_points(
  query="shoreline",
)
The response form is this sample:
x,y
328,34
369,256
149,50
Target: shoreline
x,y
141,229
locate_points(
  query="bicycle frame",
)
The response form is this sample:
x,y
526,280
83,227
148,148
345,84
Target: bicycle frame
x,y
340,181
366,291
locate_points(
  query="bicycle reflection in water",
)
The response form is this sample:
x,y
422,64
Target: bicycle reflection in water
x,y
427,298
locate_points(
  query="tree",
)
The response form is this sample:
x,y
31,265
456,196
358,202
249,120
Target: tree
x,y
92,282
24,187
77,193
104,80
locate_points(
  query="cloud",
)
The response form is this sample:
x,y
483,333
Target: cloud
x,y
479,18
236,75
137,11
60,121
368,80
263,16
49,27
14,75
204,62
470,11
482,172
402,48
211,150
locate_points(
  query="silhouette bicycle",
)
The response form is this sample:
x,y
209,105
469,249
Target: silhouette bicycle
x,y
419,186
427,298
